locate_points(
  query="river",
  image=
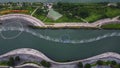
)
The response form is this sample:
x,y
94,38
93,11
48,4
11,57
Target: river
x,y
58,44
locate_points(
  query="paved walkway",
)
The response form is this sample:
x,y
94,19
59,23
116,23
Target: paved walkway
x,y
37,22
29,18
98,23
34,55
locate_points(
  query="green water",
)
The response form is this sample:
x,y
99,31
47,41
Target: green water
x,y
59,51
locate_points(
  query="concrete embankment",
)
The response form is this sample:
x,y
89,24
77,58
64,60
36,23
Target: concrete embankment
x,y
29,18
38,23
33,55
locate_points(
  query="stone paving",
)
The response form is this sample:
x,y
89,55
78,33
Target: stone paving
x,y
33,55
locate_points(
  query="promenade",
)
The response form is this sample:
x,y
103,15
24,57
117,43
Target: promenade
x,y
29,18
95,24
33,55
39,23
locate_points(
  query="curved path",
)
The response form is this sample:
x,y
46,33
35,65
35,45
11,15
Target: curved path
x,y
37,22
95,24
28,65
29,18
106,21
40,55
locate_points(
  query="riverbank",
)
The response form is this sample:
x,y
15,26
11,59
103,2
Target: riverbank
x,y
37,56
39,24
34,21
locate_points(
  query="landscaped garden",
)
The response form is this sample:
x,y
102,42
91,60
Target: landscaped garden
x,y
100,63
12,61
111,26
78,12
70,12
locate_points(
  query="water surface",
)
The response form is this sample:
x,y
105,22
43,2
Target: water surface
x,y
61,44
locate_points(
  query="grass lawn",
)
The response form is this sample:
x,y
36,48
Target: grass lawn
x,y
112,12
72,12
93,17
111,26
62,19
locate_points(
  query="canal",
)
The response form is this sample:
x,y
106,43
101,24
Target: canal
x,y
58,44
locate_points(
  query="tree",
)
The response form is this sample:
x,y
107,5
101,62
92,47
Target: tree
x,y
83,13
17,58
45,63
99,62
11,61
87,66
113,63
80,65
41,11
108,62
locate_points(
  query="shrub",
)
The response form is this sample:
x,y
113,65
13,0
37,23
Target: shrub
x,y
17,58
11,61
87,66
45,63
99,62
113,62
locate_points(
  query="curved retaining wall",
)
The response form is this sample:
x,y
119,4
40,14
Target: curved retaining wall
x,y
31,65
37,22
29,18
33,52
